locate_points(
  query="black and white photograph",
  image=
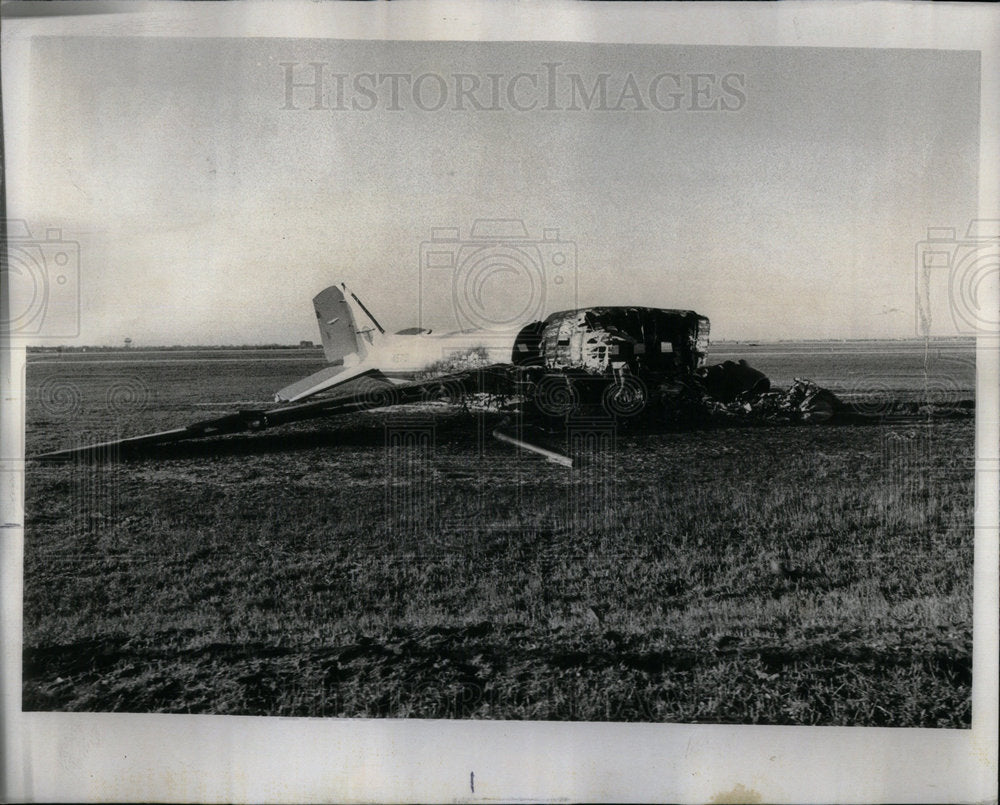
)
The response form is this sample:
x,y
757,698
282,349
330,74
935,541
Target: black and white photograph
x,y
500,383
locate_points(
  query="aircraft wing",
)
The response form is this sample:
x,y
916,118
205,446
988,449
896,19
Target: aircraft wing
x,y
449,388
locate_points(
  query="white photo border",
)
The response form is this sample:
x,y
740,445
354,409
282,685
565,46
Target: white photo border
x,y
119,757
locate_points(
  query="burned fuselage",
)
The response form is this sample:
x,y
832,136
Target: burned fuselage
x,y
635,359
601,341
615,357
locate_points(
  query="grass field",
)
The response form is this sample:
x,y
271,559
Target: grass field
x,y
403,564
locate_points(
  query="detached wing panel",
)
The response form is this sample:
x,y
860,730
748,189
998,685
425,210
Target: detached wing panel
x,y
448,386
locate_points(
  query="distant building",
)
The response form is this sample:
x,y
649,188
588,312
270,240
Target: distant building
x,y
306,344
128,343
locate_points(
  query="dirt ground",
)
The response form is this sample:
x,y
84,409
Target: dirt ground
x,y
405,564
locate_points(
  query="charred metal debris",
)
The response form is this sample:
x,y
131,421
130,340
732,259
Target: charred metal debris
x,y
642,362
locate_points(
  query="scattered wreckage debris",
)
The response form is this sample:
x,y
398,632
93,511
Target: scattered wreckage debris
x,y
533,441
726,382
804,401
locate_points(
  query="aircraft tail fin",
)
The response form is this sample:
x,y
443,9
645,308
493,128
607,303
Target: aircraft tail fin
x,y
345,340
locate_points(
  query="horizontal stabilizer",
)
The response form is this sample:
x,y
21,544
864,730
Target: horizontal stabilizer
x,y
321,381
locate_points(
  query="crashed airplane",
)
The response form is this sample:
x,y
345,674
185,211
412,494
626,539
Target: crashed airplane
x,y
599,341
620,362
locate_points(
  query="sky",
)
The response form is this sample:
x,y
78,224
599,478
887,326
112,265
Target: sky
x,y
781,192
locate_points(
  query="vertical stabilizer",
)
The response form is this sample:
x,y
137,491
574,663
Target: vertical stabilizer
x,y
344,341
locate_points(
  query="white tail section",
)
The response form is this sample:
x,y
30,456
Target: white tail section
x,y
338,329
346,343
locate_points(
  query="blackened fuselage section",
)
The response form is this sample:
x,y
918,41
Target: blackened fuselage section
x,y
601,339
